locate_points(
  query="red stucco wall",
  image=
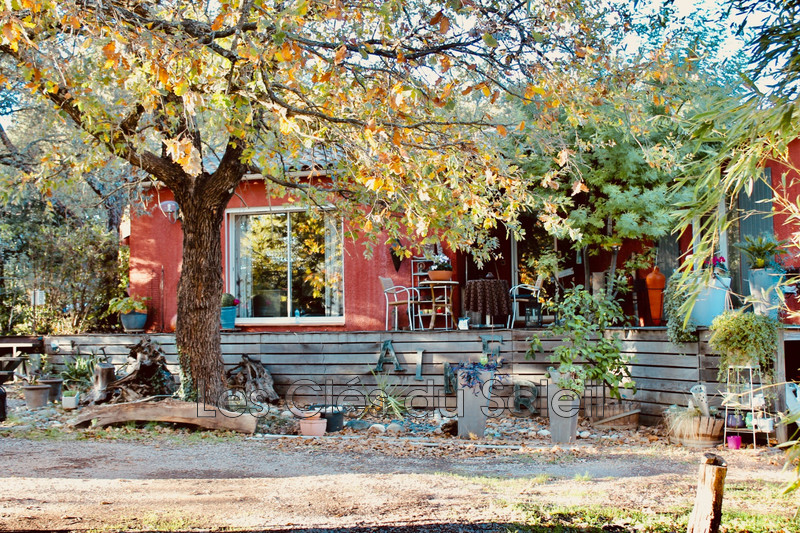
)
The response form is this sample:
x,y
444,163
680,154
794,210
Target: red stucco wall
x,y
784,228
156,244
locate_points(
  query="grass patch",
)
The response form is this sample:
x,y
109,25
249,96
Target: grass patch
x,y
158,522
582,477
596,519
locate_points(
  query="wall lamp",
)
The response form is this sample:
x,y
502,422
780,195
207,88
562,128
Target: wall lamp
x,y
170,209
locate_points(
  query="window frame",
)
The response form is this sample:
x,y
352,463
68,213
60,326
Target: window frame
x,y
230,275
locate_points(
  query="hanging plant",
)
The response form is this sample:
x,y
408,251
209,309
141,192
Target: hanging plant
x,y
678,330
745,339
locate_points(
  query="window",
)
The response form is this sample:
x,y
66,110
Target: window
x,y
286,265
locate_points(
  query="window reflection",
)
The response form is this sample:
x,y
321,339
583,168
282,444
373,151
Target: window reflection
x,y
288,264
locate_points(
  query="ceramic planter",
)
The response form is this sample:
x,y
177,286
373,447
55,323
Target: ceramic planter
x,y
70,402
473,405
766,425
562,409
710,302
764,291
36,395
735,421
55,388
227,317
656,281
313,427
133,321
440,275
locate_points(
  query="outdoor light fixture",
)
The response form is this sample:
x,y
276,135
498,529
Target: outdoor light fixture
x,y
170,209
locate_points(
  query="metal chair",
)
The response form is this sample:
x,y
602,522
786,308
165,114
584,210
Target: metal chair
x,y
523,293
396,296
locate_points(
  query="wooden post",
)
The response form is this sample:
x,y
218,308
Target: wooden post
x,y
707,513
781,430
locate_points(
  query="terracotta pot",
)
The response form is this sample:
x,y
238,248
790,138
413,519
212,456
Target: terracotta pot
x,y
440,275
656,281
313,427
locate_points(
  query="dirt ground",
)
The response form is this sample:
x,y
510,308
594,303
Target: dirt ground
x,y
344,484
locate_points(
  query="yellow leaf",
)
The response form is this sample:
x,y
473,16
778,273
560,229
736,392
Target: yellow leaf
x,y
501,130
521,126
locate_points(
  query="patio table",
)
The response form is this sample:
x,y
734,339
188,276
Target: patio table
x,y
489,297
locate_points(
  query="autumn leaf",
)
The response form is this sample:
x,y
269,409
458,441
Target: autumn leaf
x,y
579,187
490,41
436,18
444,25
501,130
341,52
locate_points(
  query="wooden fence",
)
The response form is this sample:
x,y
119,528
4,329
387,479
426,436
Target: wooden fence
x,y
339,362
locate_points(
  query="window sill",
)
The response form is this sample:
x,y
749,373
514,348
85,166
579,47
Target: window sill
x,y
286,321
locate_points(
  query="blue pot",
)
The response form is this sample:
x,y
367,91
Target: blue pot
x,y
227,317
764,291
133,321
710,301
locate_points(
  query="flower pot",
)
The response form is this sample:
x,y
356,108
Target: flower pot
x,y
563,406
70,402
313,427
766,425
473,405
764,291
36,395
734,442
734,421
55,387
334,414
227,317
133,321
710,302
440,275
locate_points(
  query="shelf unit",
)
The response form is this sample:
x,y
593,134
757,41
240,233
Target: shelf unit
x,y
419,270
741,397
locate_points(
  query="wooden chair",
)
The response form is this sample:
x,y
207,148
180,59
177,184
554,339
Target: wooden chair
x,y
523,293
396,296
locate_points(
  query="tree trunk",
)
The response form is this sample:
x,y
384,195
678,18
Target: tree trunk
x,y
707,513
199,293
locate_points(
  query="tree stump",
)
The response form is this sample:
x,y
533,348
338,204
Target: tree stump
x,y
707,513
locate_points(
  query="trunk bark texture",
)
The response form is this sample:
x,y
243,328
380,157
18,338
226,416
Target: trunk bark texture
x,y
202,203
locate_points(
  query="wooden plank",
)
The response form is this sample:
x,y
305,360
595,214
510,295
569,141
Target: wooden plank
x,y
661,359
684,374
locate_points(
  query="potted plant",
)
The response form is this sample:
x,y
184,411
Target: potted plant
x,y
49,378
762,252
589,352
69,400
227,312
132,312
441,269
744,340
473,395
713,293
36,395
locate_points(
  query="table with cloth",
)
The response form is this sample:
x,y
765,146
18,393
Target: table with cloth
x,y
489,297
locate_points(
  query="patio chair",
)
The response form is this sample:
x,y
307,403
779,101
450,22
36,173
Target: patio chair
x,y
397,296
523,293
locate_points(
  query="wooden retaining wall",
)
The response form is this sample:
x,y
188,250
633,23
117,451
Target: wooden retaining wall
x,y
339,362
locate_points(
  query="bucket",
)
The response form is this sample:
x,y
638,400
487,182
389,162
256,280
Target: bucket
x,y
313,427
734,442
334,414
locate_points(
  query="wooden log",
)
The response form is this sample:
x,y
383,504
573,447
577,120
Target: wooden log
x,y
707,513
166,411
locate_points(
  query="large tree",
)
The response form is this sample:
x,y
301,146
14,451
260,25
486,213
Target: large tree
x,y
199,94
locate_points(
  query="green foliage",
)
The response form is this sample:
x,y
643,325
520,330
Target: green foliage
x,y
745,339
680,328
228,300
128,304
589,350
78,371
761,250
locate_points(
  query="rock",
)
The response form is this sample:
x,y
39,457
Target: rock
x,y
358,425
584,434
395,429
450,427
543,433
377,429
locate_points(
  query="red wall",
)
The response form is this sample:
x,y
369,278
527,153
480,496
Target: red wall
x,y
156,243
784,228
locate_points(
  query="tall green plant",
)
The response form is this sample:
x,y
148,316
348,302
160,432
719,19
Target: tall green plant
x,y
745,339
588,351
